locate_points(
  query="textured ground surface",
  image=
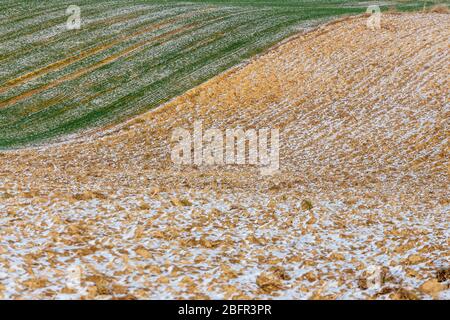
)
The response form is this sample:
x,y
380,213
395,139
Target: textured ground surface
x,y
363,117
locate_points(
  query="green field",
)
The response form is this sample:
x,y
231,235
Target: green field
x,y
129,56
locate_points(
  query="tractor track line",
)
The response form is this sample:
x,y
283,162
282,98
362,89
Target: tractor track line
x,y
102,63
58,65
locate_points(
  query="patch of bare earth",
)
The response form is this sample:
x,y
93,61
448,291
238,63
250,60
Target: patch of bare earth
x,y
359,210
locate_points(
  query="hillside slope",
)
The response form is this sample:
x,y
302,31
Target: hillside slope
x,y
363,117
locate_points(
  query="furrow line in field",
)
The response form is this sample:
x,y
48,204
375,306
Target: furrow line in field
x,y
45,21
104,62
88,43
97,20
84,54
21,17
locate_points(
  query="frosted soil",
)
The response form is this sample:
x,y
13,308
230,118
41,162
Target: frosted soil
x,y
359,209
